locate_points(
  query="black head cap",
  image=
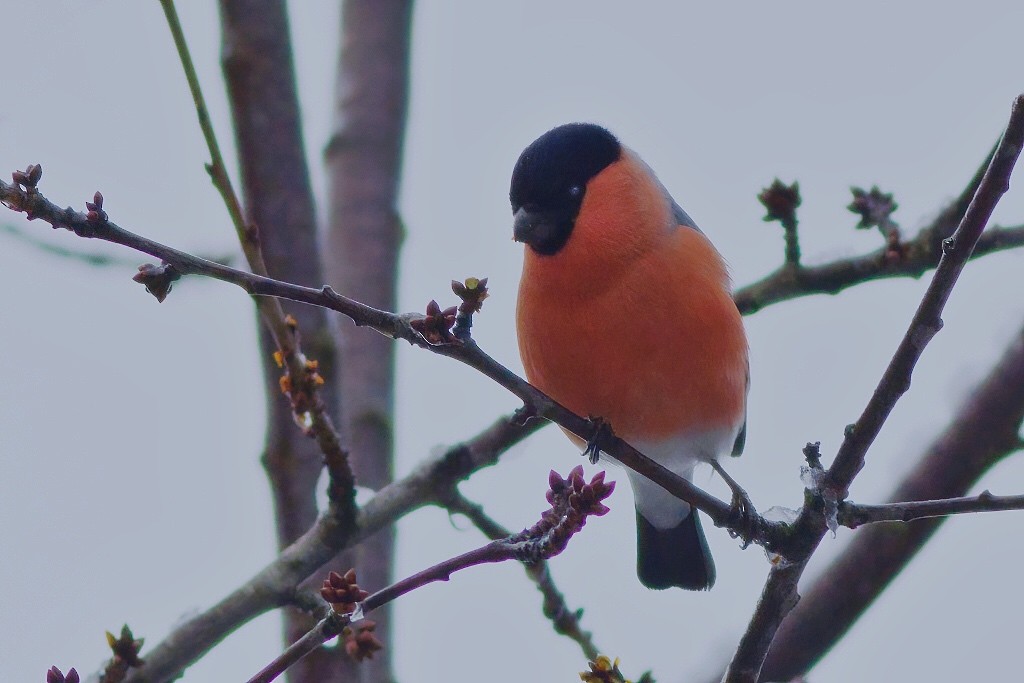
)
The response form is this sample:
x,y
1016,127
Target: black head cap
x,y
550,179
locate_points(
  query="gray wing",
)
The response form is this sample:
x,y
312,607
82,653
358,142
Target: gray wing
x,y
741,438
682,218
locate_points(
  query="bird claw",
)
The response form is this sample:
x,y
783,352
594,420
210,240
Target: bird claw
x,y
602,432
742,517
742,513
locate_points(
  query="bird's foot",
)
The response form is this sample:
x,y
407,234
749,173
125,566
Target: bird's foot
x,y
602,432
742,513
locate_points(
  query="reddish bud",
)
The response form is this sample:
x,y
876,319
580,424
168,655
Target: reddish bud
x,y
780,201
361,642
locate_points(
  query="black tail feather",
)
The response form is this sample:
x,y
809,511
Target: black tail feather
x,y
674,557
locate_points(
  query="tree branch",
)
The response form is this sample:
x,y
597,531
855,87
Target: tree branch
x,y
983,432
854,515
922,255
22,199
565,620
363,163
258,68
927,321
573,501
779,596
915,257
276,584
397,327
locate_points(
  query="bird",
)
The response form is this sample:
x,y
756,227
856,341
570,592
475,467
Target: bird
x,y
625,313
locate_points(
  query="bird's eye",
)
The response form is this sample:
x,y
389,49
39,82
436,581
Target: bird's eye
x,y
576,191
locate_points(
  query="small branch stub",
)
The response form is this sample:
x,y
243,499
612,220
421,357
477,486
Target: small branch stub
x,y
28,179
436,326
157,279
344,595
472,291
95,212
126,648
875,209
780,202
605,670
342,592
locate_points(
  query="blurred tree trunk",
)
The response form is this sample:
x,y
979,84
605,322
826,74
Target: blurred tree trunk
x,y
278,199
364,232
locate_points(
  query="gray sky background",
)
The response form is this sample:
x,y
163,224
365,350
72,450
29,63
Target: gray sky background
x,y
130,487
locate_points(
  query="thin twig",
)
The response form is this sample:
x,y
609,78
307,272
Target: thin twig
x,y
854,515
275,584
216,168
921,255
564,619
89,259
327,628
573,501
303,381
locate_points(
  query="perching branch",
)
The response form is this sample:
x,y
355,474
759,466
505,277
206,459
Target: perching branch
x,y
19,199
780,595
398,327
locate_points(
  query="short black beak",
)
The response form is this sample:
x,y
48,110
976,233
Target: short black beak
x,y
544,231
524,226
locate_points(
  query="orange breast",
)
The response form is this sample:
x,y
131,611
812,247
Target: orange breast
x,y
658,350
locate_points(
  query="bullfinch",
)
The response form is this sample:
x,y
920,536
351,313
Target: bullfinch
x,y
625,313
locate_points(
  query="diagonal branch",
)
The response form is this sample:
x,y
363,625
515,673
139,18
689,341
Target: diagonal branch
x,y
275,585
573,500
268,588
927,320
565,620
984,431
270,145
31,202
780,594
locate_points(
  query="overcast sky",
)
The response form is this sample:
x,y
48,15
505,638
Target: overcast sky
x,y
130,487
